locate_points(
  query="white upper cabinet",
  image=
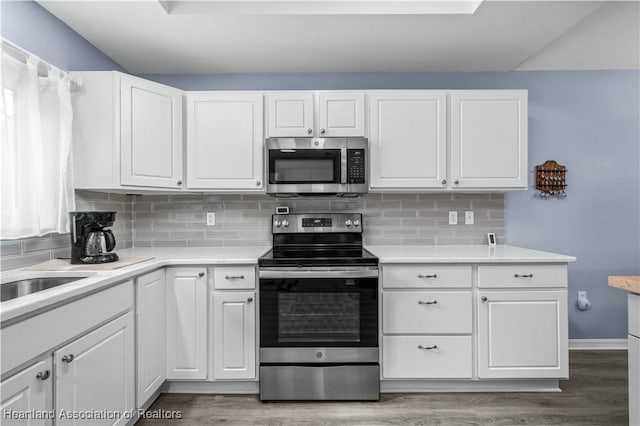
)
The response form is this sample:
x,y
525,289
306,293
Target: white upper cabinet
x,y
489,139
408,139
151,133
295,114
127,132
341,114
224,141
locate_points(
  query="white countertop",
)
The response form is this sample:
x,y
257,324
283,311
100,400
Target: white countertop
x,y
177,256
464,254
97,280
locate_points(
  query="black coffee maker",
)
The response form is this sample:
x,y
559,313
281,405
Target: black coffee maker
x,y
90,242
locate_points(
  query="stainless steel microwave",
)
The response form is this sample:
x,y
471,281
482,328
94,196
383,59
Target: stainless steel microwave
x,y
317,166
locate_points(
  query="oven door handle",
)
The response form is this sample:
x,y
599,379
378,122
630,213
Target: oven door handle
x,y
319,273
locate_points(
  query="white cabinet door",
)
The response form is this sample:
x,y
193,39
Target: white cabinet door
x,y
634,380
96,372
408,139
151,133
186,323
30,390
290,114
522,334
341,114
489,139
151,328
224,141
234,335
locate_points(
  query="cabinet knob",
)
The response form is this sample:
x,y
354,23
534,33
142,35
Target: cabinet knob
x,y
444,181
484,298
323,131
456,181
309,131
179,183
201,274
258,183
68,359
422,302
250,299
428,348
43,375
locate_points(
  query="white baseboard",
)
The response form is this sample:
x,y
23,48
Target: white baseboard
x,y
597,344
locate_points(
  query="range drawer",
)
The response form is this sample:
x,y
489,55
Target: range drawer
x,y
522,275
426,276
234,277
634,314
408,357
51,328
443,312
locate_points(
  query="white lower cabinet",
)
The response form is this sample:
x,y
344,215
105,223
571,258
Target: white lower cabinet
x,y
234,335
30,390
634,380
427,357
186,323
151,334
522,334
96,372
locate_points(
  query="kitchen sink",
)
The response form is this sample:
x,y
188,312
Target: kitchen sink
x,y
29,285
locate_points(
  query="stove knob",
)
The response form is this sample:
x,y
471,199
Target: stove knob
x,y
277,223
348,222
285,223
356,223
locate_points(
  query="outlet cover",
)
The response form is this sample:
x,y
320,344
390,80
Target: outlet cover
x,y
211,219
453,217
469,217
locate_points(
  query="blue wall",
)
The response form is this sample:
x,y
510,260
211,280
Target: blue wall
x,y
586,120
30,26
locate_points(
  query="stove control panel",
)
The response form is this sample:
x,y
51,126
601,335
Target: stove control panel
x,y
303,223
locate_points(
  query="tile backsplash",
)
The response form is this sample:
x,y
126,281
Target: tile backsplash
x,y
180,220
29,251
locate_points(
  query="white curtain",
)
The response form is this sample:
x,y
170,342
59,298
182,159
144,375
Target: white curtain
x,y
37,187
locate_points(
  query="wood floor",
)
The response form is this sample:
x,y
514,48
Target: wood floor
x,y
596,394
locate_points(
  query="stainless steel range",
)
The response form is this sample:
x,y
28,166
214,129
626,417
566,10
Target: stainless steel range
x,y
318,311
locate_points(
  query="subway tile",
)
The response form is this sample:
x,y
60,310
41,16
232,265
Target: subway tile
x,y
421,240
84,206
206,242
222,234
142,243
92,195
150,216
187,234
107,206
399,213
46,243
170,243
120,198
159,224
141,207
20,261
9,248
223,197
150,199
159,207
150,235
390,196
186,198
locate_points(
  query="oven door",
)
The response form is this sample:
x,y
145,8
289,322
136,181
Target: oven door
x,y
323,309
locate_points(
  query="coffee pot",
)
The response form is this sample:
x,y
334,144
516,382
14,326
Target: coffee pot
x,y
90,241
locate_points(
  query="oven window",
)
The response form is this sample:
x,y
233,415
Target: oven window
x,y
318,317
304,166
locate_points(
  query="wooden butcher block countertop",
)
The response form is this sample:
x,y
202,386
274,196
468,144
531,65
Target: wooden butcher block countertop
x,y
630,283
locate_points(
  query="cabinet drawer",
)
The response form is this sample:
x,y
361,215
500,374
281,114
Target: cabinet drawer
x,y
522,275
426,276
52,328
407,357
234,277
634,314
426,312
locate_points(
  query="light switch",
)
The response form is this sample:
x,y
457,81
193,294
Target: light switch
x,y
469,217
211,219
453,217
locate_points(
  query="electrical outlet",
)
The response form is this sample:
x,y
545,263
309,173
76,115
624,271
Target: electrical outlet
x,y
211,219
453,217
468,217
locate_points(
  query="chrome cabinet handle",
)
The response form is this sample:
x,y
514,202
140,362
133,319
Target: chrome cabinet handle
x,y
428,276
43,375
422,302
456,181
234,277
322,131
201,274
523,276
249,300
444,181
179,183
309,131
68,359
428,348
484,298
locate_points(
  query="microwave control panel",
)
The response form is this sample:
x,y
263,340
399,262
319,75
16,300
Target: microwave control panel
x,y
355,166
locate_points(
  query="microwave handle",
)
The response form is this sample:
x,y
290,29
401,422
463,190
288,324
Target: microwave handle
x,y
343,165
